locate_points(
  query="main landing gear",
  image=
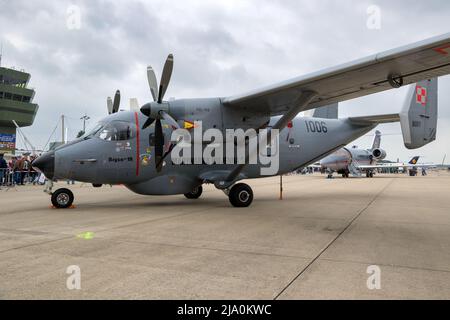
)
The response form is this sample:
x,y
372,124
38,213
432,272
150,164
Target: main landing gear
x,y
62,198
194,194
240,195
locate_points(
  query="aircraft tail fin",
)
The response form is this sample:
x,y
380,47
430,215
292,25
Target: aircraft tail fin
x,y
326,112
414,160
418,117
377,140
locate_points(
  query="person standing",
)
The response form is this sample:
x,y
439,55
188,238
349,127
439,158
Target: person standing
x,y
12,172
18,167
32,172
24,174
3,168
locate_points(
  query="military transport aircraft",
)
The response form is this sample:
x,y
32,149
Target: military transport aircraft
x,y
134,148
356,161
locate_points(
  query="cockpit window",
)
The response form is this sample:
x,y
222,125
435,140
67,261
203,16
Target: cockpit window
x,y
117,131
93,132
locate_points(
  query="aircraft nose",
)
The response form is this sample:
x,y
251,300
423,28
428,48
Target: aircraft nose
x,y
46,164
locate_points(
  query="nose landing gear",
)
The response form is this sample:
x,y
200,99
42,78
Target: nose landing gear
x,y
62,198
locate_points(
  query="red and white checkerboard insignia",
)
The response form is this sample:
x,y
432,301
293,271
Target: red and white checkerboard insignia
x,y
421,95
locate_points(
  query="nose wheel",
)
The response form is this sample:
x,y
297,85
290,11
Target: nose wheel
x,y
241,195
62,198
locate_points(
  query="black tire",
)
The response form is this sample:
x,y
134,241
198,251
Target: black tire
x,y
97,185
62,198
241,195
194,194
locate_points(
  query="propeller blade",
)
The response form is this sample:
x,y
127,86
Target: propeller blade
x,y
159,145
148,123
109,104
152,83
165,78
116,103
167,117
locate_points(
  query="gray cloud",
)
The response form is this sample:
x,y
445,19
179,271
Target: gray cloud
x,y
221,48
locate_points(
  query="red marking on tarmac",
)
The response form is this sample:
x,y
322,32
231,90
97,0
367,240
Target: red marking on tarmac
x,y
53,207
137,143
443,50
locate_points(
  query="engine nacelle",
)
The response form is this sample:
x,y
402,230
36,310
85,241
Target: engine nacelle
x,y
379,154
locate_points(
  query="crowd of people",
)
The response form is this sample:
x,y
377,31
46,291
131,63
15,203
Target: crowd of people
x,y
17,170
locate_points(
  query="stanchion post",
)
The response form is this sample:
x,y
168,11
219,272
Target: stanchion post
x,y
281,187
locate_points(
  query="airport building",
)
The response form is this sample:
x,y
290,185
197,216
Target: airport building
x,y
16,103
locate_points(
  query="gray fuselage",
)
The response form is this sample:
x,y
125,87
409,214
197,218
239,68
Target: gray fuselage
x,y
129,162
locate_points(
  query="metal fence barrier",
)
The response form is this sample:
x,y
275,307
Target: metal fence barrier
x,y
10,178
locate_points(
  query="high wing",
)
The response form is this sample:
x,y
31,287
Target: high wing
x,y
383,71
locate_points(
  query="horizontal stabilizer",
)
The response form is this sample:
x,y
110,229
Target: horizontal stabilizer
x,y
383,118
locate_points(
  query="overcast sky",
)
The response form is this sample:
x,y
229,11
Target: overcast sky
x,y
221,48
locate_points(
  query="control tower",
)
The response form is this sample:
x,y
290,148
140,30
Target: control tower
x,y
16,103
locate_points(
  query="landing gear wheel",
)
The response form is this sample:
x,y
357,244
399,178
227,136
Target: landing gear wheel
x,y
371,175
62,198
194,194
241,195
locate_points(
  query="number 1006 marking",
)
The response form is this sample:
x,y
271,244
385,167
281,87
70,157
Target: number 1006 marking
x,y
316,126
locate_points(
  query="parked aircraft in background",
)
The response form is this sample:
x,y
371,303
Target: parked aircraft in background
x,y
354,161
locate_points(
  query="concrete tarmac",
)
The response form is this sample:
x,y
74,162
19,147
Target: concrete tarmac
x,y
317,243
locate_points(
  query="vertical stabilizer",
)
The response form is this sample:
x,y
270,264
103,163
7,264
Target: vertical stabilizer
x,y
377,140
418,118
326,112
